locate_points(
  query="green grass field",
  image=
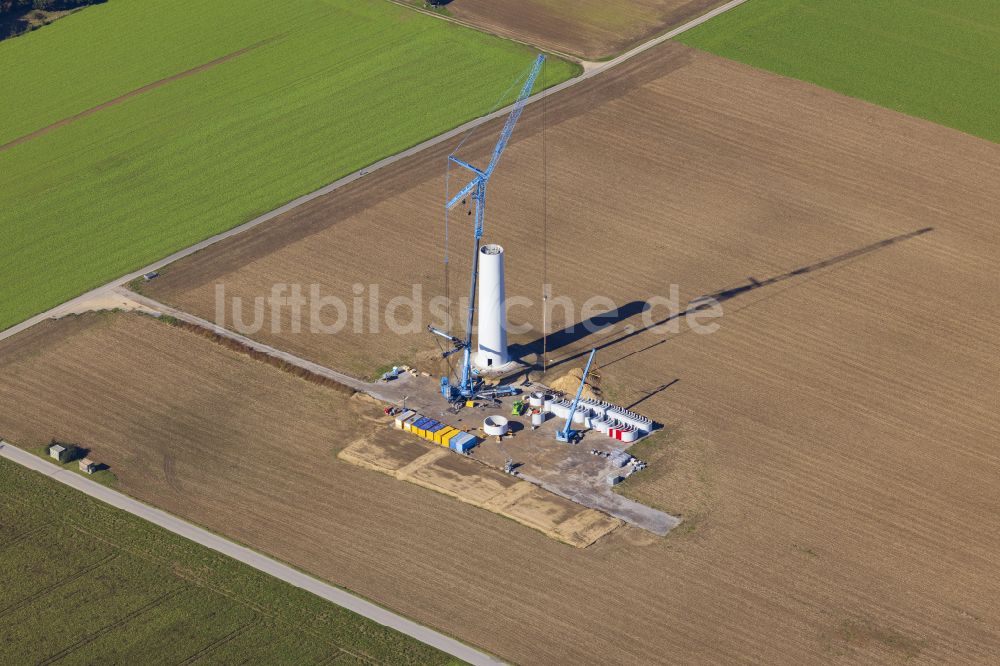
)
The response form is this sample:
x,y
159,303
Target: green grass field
x,y
87,583
328,87
935,59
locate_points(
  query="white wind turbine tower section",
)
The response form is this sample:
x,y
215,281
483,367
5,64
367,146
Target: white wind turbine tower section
x,y
492,333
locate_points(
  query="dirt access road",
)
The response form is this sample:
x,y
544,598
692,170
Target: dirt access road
x,y
831,448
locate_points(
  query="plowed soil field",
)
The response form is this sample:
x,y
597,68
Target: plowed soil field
x,y
590,29
831,448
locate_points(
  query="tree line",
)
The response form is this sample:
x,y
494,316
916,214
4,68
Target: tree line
x,y
17,8
14,13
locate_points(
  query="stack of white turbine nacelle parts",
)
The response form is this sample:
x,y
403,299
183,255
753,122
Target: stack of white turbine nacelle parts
x,y
611,420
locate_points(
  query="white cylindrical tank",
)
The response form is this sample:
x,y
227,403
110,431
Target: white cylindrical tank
x,y
536,399
492,310
537,418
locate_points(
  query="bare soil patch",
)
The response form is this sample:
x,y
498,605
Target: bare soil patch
x,y
404,457
590,29
832,448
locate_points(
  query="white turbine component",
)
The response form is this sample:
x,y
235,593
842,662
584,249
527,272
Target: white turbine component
x,y
492,353
495,425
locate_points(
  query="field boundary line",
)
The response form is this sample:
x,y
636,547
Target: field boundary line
x,y
321,371
249,557
448,18
350,178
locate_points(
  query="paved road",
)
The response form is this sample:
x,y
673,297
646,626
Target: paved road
x,y
247,556
591,71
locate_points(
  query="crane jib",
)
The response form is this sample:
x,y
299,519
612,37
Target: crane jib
x,y
477,188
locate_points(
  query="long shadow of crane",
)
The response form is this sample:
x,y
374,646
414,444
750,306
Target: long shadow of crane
x,y
578,331
646,395
708,301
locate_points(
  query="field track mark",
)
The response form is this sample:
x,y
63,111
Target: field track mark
x,y
89,638
45,590
21,536
220,642
334,656
135,93
259,611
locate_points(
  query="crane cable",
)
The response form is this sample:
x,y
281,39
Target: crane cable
x,y
545,244
447,196
447,186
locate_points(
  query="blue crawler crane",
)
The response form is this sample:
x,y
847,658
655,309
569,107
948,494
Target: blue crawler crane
x,y
567,434
470,385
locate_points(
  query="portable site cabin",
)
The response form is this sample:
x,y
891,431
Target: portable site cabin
x,y
88,466
463,442
404,417
419,427
58,452
431,431
435,431
443,436
407,425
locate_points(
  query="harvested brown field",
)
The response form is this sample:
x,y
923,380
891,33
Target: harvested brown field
x,y
832,448
590,29
406,458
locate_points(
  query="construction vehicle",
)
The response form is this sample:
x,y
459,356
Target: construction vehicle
x,y
518,408
567,434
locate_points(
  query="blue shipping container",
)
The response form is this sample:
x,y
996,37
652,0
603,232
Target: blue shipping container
x,y
463,442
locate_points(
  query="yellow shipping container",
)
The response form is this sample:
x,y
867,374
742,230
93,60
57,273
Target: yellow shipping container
x,y
426,432
445,439
419,431
443,435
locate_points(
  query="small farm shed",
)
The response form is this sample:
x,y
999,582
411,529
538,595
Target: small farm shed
x,y
88,466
